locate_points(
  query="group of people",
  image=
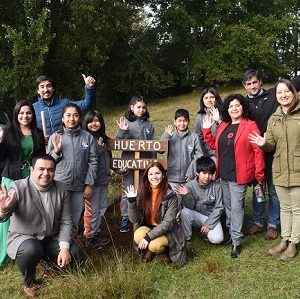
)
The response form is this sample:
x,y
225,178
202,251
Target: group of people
x,y
237,143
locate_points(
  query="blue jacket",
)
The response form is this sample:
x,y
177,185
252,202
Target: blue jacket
x,y
54,110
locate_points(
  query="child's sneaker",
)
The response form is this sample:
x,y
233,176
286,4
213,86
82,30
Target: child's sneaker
x,y
124,225
102,239
94,243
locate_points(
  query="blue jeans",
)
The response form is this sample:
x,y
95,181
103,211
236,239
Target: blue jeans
x,y
259,208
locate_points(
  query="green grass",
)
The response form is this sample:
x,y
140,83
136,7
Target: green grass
x,y
209,273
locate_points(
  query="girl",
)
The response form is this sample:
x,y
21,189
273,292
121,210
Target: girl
x,y
75,153
18,144
95,209
210,104
239,162
134,125
283,137
155,210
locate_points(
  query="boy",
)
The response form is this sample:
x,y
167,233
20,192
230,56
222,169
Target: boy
x,y
202,201
184,149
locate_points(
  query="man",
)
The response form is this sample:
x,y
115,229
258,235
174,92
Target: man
x,y
52,106
40,221
263,104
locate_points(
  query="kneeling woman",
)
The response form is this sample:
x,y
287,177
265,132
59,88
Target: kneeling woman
x,y
154,212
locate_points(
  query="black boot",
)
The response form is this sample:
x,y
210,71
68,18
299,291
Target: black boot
x,y
235,251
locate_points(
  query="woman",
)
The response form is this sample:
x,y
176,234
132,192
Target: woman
x,y
283,137
210,104
154,212
239,162
18,144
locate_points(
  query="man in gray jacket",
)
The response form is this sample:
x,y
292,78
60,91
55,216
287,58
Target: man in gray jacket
x,y
40,221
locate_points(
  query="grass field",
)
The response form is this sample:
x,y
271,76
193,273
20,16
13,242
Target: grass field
x,y
210,272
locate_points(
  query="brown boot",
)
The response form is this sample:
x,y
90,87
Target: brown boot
x,y
165,258
289,253
272,233
148,256
278,249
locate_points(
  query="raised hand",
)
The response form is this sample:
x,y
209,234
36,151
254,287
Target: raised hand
x,y
257,139
169,130
100,141
1,135
181,189
57,142
89,80
207,122
123,123
215,114
130,192
6,200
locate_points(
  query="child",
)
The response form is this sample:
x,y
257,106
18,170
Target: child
x,y
96,207
184,149
202,201
75,153
134,125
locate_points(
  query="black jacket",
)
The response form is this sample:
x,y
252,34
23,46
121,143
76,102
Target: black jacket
x,y
13,156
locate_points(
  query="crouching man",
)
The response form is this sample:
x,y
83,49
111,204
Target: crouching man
x,y
40,222
202,201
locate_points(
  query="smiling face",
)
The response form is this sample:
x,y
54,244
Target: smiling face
x,y
71,118
284,96
155,176
25,116
253,86
209,100
139,109
181,124
95,125
45,90
235,111
42,173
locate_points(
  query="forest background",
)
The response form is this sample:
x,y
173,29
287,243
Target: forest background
x,y
155,48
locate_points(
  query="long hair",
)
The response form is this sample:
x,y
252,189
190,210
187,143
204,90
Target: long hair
x,y
14,133
88,118
129,115
218,100
292,88
245,104
145,203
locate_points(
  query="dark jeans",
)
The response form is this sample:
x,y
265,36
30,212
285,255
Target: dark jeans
x,y
259,208
32,251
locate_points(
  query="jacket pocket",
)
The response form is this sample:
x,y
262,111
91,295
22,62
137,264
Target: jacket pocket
x,y
297,161
276,163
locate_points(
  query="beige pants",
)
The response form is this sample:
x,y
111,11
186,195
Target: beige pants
x,y
289,198
157,245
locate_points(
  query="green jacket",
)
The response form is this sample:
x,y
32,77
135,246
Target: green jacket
x,y
283,137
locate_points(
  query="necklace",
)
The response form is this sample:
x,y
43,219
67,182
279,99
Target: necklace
x,y
230,135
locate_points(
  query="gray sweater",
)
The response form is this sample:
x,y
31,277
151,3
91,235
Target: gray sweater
x,y
184,150
77,163
205,199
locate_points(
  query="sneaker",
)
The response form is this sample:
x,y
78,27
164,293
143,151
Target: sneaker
x,y
93,243
102,239
272,233
255,229
124,225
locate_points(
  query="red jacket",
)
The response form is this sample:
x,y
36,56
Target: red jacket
x,y
249,158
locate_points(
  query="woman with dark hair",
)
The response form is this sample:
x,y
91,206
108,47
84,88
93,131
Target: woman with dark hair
x,y
239,162
210,104
154,212
19,143
75,153
283,137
